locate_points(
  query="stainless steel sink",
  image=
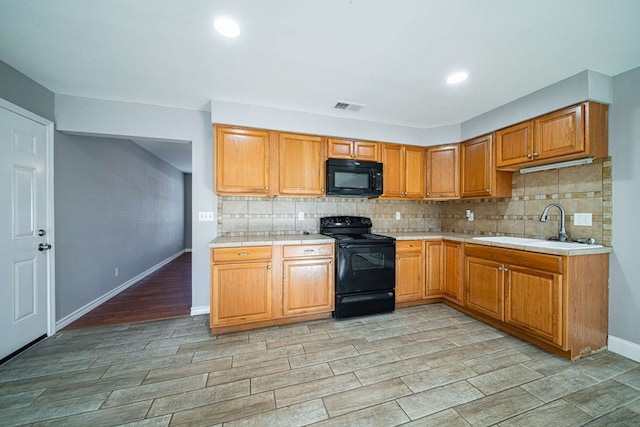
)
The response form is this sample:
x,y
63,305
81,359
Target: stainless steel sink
x,y
537,243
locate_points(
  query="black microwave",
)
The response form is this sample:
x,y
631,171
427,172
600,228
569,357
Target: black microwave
x,y
354,178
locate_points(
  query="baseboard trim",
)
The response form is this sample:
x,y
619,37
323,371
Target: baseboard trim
x,y
624,348
104,298
187,249
204,309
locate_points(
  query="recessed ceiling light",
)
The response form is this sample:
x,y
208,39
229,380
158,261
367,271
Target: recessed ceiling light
x,y
227,27
457,78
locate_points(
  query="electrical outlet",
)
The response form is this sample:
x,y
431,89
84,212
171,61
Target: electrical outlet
x,y
469,214
300,216
582,219
398,216
116,272
205,216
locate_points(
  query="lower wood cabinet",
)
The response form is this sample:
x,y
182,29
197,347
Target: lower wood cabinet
x,y
241,285
267,285
409,270
433,268
558,302
484,281
452,271
308,280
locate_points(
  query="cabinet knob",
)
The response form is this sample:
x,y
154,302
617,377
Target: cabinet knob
x,y
266,188
535,154
528,156
398,258
500,268
506,269
268,267
487,190
428,193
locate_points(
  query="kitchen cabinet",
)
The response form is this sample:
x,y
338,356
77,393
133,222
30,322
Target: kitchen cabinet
x,y
479,177
241,290
557,302
484,285
403,171
242,160
308,279
443,172
452,253
352,149
409,270
434,269
301,165
570,133
254,286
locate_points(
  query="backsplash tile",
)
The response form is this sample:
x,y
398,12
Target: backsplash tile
x,y
584,188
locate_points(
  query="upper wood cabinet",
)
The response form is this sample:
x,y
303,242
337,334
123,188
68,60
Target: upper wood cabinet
x,y
301,164
571,133
242,160
403,171
268,163
479,177
352,149
443,172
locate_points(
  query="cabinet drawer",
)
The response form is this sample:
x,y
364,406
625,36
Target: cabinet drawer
x,y
243,253
408,245
298,251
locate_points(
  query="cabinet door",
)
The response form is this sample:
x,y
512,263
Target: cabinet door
x,y
307,286
476,167
339,148
240,293
559,133
533,302
434,273
366,150
409,276
484,282
514,145
415,182
393,170
242,161
443,172
452,279
301,164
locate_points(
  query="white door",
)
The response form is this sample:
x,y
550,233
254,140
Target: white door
x,y
25,276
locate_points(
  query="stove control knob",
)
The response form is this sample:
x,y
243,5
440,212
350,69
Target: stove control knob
x,y
347,220
366,221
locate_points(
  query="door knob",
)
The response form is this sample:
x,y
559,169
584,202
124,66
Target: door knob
x,y
44,247
41,232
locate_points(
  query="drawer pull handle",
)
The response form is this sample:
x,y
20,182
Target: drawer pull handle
x,y
309,251
243,253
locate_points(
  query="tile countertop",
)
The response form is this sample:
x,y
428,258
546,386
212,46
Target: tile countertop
x,y
581,249
311,239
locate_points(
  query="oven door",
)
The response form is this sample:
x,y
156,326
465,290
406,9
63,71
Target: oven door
x,y
365,267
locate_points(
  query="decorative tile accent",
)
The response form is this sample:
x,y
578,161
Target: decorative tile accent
x,y
585,188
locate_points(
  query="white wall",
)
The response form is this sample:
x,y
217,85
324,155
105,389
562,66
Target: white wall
x,y
111,118
232,113
624,147
587,85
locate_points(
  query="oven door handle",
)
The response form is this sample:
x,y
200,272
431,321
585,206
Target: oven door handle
x,y
365,245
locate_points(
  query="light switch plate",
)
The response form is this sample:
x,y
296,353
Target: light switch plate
x,y
582,219
398,215
300,216
205,216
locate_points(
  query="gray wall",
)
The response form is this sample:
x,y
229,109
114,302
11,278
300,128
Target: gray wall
x,y
19,89
116,205
187,211
624,147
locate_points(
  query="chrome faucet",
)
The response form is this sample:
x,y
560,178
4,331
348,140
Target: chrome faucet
x,y
562,232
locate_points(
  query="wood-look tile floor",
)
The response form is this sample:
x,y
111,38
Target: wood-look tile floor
x,y
419,366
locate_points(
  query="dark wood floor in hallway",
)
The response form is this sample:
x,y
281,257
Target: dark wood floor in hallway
x,y
165,294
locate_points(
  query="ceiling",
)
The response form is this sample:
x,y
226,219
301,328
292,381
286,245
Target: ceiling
x,y
393,56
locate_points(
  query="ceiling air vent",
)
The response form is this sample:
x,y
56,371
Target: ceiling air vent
x,y
348,106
